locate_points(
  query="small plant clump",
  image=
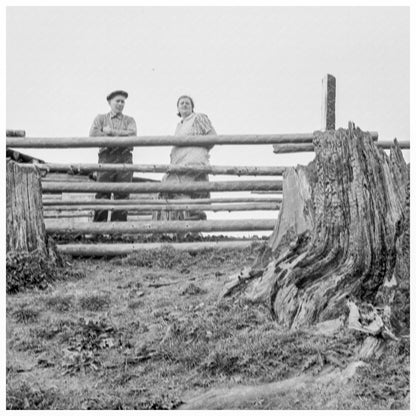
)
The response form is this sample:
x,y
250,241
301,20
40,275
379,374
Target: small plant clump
x,y
25,314
28,397
33,270
94,302
88,338
386,379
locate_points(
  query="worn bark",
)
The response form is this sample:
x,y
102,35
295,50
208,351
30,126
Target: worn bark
x,y
341,237
25,225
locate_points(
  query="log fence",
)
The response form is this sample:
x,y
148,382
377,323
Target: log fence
x,y
151,141
170,207
152,187
53,186
139,202
308,147
115,167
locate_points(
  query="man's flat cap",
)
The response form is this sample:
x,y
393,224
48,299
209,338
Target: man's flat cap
x,y
118,92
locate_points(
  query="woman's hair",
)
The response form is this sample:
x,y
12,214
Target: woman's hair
x,y
189,98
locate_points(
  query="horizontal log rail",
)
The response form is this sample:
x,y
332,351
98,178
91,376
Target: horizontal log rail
x,y
132,216
117,249
53,215
308,147
174,187
138,202
158,227
266,193
15,133
66,177
120,167
170,207
140,141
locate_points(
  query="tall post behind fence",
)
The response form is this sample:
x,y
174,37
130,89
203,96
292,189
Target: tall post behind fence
x,y
328,102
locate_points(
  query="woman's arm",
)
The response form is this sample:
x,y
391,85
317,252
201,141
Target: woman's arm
x,y
204,127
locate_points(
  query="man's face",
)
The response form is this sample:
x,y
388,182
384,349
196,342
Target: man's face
x,y
117,104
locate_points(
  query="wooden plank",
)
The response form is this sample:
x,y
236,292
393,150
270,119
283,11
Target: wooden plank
x,y
64,177
160,227
141,217
174,187
47,200
295,148
328,102
54,215
268,193
52,199
15,133
76,168
170,207
390,143
117,249
108,141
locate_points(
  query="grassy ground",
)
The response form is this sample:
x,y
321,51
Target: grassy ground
x,y
148,332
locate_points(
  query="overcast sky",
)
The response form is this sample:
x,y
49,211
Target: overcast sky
x,y
251,69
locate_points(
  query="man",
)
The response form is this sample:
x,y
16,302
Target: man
x,y
114,123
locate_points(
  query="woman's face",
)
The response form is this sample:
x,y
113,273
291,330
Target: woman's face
x,y
184,107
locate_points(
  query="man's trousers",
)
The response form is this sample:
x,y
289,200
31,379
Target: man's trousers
x,y
113,155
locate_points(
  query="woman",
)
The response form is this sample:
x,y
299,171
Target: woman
x,y
191,124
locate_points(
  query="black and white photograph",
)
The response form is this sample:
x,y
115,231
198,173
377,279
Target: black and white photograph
x,y
207,207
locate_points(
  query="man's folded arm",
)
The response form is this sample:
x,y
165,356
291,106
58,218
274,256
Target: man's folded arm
x,y
131,129
97,127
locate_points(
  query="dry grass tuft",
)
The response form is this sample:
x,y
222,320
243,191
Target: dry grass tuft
x,y
25,313
60,303
94,302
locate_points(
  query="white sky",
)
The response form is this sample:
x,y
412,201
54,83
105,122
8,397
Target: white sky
x,y
251,69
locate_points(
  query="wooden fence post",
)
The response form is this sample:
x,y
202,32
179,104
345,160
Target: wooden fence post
x,y
328,102
25,228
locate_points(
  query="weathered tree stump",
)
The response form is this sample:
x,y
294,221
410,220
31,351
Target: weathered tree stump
x,y
342,237
25,227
